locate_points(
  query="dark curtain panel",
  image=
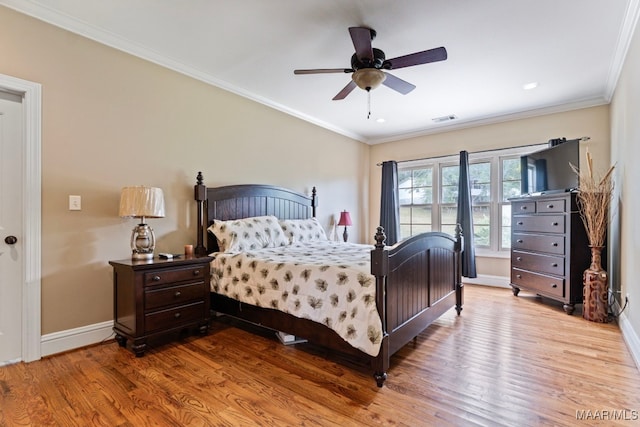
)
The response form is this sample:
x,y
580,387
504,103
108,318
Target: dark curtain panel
x,y
465,218
389,203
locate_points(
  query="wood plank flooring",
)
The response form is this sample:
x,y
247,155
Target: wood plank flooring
x,y
507,361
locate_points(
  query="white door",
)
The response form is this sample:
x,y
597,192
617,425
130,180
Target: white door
x,y
11,226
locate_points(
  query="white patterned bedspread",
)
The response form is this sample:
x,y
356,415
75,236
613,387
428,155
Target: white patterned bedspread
x,y
324,281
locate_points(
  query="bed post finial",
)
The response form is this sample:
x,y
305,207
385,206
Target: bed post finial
x,y
200,194
380,237
314,201
458,237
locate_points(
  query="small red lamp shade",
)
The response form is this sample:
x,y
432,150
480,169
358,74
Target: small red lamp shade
x,y
345,220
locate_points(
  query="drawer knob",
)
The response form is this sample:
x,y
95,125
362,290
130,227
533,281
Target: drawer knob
x,y
196,272
177,315
519,258
549,206
555,264
554,244
519,276
524,208
553,285
156,278
555,224
177,294
519,241
520,223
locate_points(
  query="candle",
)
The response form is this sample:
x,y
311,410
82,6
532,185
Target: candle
x,y
188,250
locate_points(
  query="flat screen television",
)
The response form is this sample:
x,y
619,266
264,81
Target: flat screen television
x,y
548,170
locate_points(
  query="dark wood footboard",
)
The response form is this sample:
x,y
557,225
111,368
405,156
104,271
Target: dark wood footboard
x,y
417,281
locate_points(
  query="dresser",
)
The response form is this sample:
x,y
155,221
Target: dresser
x,y
156,297
549,247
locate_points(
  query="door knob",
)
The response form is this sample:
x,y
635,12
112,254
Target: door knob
x,y
10,240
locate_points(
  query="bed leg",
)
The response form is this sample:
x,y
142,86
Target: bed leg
x,y
380,378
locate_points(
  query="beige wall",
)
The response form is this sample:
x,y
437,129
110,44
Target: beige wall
x,y
592,122
112,120
625,152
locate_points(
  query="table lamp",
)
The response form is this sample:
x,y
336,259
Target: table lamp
x,y
345,219
142,202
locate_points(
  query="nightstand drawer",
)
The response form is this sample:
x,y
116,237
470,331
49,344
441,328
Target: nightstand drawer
x,y
538,262
167,319
553,244
540,223
172,295
173,275
549,285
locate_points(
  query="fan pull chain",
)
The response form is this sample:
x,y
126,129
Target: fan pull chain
x,y
369,103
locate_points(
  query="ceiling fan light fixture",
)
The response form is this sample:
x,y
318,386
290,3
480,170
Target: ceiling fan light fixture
x,y
368,78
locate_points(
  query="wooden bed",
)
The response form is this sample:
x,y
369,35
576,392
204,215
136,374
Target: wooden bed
x,y
417,280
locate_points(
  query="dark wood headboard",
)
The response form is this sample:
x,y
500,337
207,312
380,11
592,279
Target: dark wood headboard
x,y
244,201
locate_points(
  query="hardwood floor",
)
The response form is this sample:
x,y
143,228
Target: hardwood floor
x,y
506,361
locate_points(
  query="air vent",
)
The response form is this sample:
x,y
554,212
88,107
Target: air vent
x,y
445,118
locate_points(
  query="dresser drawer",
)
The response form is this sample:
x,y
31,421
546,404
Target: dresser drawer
x,y
553,286
523,207
174,317
173,275
553,244
539,223
172,295
538,262
550,206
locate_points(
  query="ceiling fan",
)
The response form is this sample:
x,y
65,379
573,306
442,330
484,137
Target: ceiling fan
x,y
368,62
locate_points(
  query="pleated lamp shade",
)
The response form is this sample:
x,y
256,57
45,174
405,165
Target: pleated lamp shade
x,y
138,202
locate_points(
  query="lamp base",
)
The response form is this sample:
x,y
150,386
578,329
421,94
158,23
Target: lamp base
x,y
138,256
345,235
143,242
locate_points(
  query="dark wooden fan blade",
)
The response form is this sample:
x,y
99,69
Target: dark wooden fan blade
x,y
398,84
424,57
323,71
345,91
361,38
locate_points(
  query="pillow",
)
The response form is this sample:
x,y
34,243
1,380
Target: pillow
x,y
303,230
248,234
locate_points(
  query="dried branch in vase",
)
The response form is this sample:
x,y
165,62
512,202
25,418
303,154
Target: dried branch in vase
x,y
594,199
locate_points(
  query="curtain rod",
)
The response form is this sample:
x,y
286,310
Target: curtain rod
x,y
584,138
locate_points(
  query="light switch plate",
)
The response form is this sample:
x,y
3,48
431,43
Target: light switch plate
x,y
75,203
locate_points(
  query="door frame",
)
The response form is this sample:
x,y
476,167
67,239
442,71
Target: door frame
x,y
32,208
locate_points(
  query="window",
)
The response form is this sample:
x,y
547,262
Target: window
x,y
415,188
428,192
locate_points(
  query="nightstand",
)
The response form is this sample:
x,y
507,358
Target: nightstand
x,y
159,296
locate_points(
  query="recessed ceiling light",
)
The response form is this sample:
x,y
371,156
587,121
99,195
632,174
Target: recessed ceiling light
x,y
529,86
380,120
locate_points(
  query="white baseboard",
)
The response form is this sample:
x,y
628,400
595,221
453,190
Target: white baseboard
x,y
70,339
630,338
10,362
485,279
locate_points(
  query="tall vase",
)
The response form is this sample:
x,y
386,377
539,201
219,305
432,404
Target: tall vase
x,y
596,289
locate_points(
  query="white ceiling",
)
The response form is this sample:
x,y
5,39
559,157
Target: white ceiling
x,y
573,48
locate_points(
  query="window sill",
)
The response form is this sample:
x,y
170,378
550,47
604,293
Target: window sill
x,y
486,253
